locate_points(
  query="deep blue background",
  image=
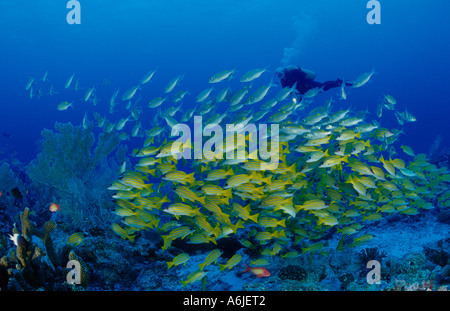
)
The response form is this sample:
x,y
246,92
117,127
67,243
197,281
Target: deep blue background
x,y
122,40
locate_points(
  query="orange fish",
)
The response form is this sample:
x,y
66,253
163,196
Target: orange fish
x,y
258,271
54,207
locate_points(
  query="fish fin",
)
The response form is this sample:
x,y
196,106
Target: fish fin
x,y
201,200
228,193
254,217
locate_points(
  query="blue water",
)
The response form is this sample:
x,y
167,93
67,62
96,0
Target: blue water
x,y
121,41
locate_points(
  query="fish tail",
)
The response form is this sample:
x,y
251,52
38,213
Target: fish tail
x,y
246,268
225,200
228,193
292,168
216,231
254,217
201,200
222,267
268,180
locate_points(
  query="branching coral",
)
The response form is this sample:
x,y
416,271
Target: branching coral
x,y
74,172
371,253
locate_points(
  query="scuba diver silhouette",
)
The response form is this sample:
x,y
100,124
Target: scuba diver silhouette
x,y
303,79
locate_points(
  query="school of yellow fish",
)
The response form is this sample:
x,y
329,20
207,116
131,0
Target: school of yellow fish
x,y
336,169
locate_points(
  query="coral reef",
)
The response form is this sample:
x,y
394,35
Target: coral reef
x,y
371,253
74,172
292,272
35,264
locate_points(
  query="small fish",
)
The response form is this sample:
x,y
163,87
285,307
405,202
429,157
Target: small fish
x,y
373,217
223,75
76,87
328,220
156,102
210,258
44,78
121,123
29,83
284,92
219,174
313,247
313,92
172,83
178,260
252,75
179,96
408,116
259,262
186,193
343,94
194,277
237,180
363,79
181,209
408,150
259,94
315,204
76,238
233,261
122,232
64,106
361,240
85,121
53,207
130,93
222,95
148,76
88,94
204,95
69,81
379,110
259,272
389,102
